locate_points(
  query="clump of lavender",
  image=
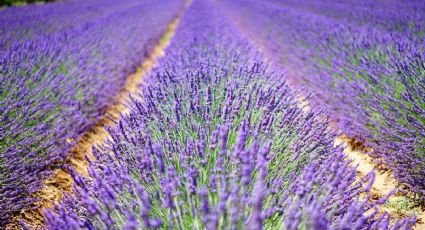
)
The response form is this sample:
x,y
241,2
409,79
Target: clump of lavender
x,y
176,165
218,142
60,66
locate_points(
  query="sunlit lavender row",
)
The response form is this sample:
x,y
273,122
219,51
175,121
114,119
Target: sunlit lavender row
x,y
61,65
218,141
364,61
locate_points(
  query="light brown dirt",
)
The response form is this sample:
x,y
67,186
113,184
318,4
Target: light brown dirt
x,y
61,181
384,179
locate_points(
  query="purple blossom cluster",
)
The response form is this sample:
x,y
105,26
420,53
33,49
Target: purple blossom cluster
x,y
60,66
364,61
219,142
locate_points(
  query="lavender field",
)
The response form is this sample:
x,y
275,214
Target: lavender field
x,y
212,114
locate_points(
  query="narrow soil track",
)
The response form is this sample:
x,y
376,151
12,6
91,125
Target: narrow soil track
x,y
384,183
61,181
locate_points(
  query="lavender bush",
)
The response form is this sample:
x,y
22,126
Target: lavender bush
x,y
366,68
60,66
219,142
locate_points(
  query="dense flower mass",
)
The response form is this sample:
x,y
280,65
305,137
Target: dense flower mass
x,y
365,65
60,66
219,142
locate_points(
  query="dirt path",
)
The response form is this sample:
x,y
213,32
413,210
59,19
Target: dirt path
x,y
61,181
384,182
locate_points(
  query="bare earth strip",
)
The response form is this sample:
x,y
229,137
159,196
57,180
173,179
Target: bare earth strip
x,y
385,182
61,181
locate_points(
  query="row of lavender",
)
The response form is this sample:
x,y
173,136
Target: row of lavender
x,y
60,66
402,16
219,142
366,69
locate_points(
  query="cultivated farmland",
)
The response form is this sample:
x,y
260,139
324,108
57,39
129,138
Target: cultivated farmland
x,y
202,114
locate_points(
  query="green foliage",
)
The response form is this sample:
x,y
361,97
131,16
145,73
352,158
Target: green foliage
x,y
403,204
20,2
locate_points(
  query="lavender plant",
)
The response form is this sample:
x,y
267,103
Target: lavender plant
x,y
218,141
60,66
366,70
